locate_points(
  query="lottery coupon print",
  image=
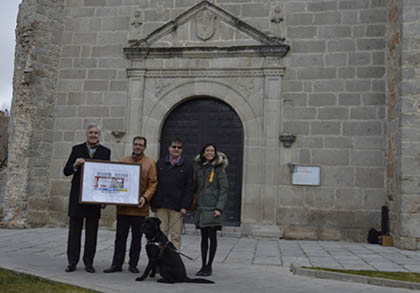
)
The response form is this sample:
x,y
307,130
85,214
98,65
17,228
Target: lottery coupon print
x,y
106,182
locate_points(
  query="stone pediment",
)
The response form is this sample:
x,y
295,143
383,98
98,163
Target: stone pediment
x,y
206,30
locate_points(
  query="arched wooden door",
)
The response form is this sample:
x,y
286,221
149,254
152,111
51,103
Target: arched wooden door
x,y
206,120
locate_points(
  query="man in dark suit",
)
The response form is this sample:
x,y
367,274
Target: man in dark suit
x,y
91,149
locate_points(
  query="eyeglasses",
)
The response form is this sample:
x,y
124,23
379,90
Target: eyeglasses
x,y
138,144
176,147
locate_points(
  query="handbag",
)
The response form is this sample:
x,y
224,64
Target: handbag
x,y
194,202
195,198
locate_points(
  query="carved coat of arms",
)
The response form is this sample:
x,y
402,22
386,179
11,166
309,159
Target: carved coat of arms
x,y
205,24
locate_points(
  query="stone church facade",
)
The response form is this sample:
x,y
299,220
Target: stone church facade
x,y
331,83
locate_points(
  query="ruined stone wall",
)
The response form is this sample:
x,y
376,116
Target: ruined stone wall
x,y
38,34
4,138
3,178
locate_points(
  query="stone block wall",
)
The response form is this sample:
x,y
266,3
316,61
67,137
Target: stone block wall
x,y
92,88
334,102
333,99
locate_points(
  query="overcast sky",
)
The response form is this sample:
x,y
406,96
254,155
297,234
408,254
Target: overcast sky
x,y
8,15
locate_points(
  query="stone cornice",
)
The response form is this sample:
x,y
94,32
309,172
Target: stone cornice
x,y
136,73
207,52
208,73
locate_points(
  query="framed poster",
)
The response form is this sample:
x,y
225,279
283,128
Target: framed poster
x,y
104,182
306,175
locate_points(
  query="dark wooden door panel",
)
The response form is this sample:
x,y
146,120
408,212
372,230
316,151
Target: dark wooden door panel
x,y
205,120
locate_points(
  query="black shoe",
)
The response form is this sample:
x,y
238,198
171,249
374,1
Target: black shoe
x,y
90,269
134,270
207,271
70,268
200,272
113,269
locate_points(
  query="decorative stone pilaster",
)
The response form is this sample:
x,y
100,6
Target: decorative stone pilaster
x,y
134,105
271,146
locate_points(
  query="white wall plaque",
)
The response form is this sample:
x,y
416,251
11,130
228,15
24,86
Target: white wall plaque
x,y
306,175
110,183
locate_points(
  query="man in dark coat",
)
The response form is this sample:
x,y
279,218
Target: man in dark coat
x,y
91,149
175,191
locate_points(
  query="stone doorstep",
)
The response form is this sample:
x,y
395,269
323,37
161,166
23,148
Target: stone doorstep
x,y
353,278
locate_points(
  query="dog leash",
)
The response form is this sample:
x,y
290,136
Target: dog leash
x,y
166,246
184,255
162,248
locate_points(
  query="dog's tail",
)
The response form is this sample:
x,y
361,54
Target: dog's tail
x,y
198,281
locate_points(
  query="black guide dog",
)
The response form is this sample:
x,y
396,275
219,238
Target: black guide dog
x,y
163,255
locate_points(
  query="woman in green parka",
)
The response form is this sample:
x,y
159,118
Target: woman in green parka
x,y
212,188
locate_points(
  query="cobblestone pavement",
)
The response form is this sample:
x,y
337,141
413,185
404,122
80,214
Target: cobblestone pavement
x,y
241,264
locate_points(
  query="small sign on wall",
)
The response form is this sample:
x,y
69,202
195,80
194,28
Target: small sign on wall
x,y
306,175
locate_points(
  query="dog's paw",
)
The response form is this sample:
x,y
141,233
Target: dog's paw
x,y
141,279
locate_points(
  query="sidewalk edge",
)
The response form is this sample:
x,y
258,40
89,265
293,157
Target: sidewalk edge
x,y
353,278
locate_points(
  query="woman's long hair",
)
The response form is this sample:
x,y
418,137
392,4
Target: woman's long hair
x,y
202,158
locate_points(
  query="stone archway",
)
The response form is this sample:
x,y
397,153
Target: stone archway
x,y
204,120
254,94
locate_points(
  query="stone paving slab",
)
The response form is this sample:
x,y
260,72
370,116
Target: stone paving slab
x,y
241,264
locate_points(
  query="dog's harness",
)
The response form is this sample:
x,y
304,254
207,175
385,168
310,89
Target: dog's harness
x,y
163,246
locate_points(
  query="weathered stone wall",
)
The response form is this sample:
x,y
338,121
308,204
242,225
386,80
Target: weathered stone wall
x,y
404,95
3,178
4,138
38,33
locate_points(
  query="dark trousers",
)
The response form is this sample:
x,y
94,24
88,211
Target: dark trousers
x,y
124,223
74,240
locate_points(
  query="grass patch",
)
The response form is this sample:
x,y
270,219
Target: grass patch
x,y
400,276
11,282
